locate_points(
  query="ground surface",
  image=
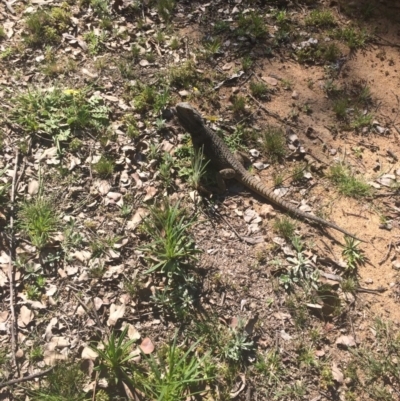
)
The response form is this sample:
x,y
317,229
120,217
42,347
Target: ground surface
x,y
86,130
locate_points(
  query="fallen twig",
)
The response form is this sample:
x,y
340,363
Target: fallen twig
x,y
383,260
271,113
26,378
10,265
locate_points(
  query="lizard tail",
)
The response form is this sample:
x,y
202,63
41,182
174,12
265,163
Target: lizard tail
x,y
260,189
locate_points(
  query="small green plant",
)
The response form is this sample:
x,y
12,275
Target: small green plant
x,y
212,47
75,145
361,120
237,344
3,34
273,143
184,76
150,57
286,84
104,167
174,43
115,355
340,107
45,27
352,254
63,383
278,179
176,374
298,173
301,272
321,53
221,26
259,90
247,63
172,250
321,19
251,24
198,169
353,37
100,245
239,104
36,353
95,41
59,114
162,98
4,189
145,99
349,284
347,183
165,8
72,239
38,220
270,366
285,227
165,169
235,141
281,17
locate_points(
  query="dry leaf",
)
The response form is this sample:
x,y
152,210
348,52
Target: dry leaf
x,y
150,193
116,312
347,341
337,373
25,316
89,353
33,187
147,346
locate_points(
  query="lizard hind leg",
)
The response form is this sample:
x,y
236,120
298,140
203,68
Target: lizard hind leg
x,y
242,157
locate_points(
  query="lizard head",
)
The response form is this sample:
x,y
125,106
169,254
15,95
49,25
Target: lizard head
x,y
189,118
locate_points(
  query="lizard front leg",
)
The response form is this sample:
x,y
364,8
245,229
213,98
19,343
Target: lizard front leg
x,y
224,174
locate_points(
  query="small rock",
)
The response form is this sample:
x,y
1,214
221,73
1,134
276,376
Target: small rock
x,y
369,281
254,152
183,93
396,265
270,80
295,95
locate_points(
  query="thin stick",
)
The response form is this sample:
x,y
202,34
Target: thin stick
x,y
271,113
10,266
26,378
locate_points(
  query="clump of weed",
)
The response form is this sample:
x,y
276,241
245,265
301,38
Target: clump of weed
x,y
172,250
273,143
353,37
2,33
63,383
321,53
184,76
320,18
352,254
221,26
239,104
340,106
165,8
285,227
104,167
59,114
259,90
347,183
38,220
247,63
95,41
251,24
46,26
